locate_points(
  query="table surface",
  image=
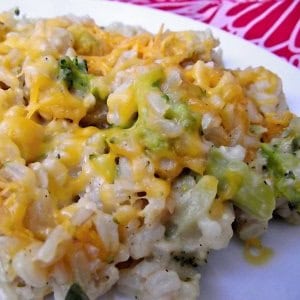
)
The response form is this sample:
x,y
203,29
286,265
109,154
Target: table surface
x,y
271,24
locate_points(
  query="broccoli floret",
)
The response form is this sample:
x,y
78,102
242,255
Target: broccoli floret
x,y
282,166
238,182
284,171
181,113
74,73
153,140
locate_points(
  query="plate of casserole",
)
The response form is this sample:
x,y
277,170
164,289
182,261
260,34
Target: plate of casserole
x,y
143,155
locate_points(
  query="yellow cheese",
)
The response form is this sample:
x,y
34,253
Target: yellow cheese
x,y
61,104
125,214
27,135
105,166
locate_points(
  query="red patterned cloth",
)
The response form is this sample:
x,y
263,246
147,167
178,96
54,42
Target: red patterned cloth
x,y
272,24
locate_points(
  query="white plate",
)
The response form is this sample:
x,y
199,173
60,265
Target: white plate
x,y
227,276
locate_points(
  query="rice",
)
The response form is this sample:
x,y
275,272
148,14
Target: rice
x,y
107,176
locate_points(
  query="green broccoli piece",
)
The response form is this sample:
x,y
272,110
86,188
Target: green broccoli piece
x,y
181,113
282,166
284,171
74,73
246,188
153,140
